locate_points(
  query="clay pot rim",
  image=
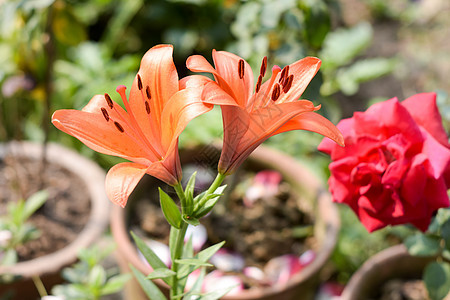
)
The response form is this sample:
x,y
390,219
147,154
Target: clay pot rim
x,y
292,171
93,177
378,268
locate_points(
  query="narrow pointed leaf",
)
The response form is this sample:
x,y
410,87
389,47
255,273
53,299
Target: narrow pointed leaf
x,y
202,256
170,209
197,287
34,202
189,192
206,254
161,273
115,284
150,289
193,262
149,255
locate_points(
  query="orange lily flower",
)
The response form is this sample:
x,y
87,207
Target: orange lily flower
x,y
146,133
251,118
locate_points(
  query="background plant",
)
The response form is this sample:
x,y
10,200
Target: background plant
x,y
88,278
14,228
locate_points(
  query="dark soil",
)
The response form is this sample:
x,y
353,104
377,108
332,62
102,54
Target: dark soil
x,y
261,232
63,215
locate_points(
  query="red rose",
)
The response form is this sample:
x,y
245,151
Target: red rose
x,y
395,168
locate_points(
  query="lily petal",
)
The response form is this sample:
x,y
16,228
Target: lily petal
x,y
312,121
245,132
184,106
105,138
121,181
158,73
227,65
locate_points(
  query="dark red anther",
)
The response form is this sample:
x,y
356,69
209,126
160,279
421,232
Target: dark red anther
x,y
105,114
258,83
288,83
284,75
139,82
263,69
147,107
276,92
109,101
119,127
241,68
147,91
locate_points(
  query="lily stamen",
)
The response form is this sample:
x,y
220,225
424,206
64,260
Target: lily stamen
x,y
263,69
276,92
119,127
241,66
105,114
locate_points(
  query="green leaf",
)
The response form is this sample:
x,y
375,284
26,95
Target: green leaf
x,y
203,256
197,287
437,279
445,230
193,262
150,289
170,209
206,254
97,276
341,46
9,258
443,215
189,193
211,200
422,245
191,220
115,284
161,273
149,255
349,78
34,202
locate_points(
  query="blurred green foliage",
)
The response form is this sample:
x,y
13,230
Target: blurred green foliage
x,y
59,53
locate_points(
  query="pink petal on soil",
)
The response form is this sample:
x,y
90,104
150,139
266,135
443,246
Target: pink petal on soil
x,y
228,261
280,269
217,280
265,184
254,273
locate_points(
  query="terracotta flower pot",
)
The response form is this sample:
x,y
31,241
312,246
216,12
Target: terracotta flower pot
x,y
392,263
303,284
48,267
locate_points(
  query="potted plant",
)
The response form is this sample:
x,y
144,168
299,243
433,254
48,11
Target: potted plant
x,y
73,217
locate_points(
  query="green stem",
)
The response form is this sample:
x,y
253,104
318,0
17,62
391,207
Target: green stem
x,y
177,255
217,182
39,286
